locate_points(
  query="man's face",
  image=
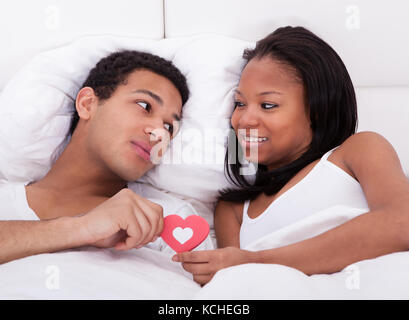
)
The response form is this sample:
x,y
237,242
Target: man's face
x,y
136,118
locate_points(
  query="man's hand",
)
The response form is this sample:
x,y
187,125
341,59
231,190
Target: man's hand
x,y
204,264
124,221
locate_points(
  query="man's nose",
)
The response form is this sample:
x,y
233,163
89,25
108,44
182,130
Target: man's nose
x,y
155,129
153,133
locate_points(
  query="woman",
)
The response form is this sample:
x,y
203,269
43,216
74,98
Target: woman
x,y
295,103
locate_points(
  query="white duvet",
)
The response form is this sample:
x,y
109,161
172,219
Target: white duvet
x,y
385,277
149,273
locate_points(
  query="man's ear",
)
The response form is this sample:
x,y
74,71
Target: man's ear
x,y
86,103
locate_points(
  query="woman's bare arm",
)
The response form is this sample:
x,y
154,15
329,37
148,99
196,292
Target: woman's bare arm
x,y
383,230
226,225
367,236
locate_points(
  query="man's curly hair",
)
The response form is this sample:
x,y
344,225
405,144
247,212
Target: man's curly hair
x,y
114,69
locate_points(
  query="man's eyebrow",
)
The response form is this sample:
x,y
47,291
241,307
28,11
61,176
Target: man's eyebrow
x,y
176,117
151,94
261,93
157,98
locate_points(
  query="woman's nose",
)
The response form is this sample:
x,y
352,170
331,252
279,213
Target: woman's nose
x,y
249,118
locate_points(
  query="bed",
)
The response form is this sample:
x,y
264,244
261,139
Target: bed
x,y
50,46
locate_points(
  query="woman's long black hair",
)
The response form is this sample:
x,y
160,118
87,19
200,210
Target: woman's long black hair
x,y
330,97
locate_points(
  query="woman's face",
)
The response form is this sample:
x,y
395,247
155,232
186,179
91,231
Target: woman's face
x,y
270,113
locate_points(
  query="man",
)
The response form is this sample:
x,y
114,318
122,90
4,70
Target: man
x,y
129,105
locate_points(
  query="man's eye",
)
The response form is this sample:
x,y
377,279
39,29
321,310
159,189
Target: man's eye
x,y
269,105
168,127
144,105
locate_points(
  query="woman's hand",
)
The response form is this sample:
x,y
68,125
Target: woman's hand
x,y
204,264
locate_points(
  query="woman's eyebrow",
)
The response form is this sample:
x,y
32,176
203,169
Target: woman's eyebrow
x,y
269,92
261,93
151,94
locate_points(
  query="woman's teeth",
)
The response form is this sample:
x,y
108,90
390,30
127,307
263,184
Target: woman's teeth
x,y
253,139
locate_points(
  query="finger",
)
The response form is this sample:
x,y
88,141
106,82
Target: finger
x,y
112,241
127,244
202,279
143,213
161,225
144,225
197,268
193,256
133,233
155,220
154,214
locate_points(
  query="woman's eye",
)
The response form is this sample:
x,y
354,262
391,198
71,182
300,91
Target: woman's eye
x,y
269,105
238,104
144,105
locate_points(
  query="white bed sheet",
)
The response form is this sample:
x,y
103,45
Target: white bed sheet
x,y
92,273
146,273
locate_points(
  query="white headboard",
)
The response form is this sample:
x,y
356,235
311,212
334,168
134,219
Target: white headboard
x,y
28,27
370,36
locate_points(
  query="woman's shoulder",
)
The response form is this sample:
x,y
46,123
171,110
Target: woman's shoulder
x,y
376,164
355,149
362,145
363,149
363,137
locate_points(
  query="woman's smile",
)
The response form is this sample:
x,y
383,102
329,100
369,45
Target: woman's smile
x,y
248,141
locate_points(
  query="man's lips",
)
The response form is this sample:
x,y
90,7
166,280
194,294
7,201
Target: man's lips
x,y
142,149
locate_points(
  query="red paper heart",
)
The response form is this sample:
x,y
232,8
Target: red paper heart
x,y
184,234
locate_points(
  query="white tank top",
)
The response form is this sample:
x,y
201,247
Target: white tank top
x,y
324,186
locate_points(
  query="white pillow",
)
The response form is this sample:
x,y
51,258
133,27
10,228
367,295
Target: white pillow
x,y
37,104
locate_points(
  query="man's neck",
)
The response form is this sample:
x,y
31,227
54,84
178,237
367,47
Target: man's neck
x,y
76,174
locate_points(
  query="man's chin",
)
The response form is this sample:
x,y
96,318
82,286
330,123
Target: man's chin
x,y
136,174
